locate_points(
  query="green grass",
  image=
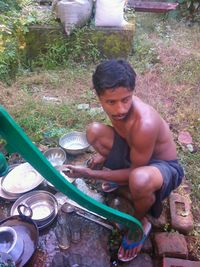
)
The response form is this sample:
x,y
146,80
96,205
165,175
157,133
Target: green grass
x,y
185,72
144,55
192,173
38,118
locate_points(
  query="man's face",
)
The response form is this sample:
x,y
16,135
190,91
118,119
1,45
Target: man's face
x,y
117,103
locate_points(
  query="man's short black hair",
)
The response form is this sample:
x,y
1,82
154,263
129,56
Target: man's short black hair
x,y
112,74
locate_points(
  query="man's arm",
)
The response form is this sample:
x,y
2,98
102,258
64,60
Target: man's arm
x,y
143,144
120,176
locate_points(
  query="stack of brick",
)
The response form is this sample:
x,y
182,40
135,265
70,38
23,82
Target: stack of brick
x,y
172,247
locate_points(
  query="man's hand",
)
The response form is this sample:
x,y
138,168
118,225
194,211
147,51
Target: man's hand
x,y
77,171
96,162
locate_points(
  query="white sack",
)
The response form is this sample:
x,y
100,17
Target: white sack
x,y
109,13
74,13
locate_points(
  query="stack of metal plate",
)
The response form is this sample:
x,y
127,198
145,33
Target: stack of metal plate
x,y
20,180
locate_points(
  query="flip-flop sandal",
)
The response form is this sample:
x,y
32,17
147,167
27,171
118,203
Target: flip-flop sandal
x,y
109,186
126,246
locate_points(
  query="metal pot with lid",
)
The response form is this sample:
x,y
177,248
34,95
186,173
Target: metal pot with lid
x,y
19,238
11,243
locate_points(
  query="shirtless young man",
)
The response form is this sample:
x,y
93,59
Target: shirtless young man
x,y
138,149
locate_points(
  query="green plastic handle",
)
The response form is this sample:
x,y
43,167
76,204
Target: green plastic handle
x,y
18,141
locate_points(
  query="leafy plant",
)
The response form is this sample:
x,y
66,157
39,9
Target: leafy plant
x,y
192,7
65,51
15,18
188,9
7,5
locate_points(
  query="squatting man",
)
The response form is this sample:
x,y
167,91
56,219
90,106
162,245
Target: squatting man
x,y
137,152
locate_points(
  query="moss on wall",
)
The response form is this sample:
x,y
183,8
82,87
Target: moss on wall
x,y
39,37
110,41
113,42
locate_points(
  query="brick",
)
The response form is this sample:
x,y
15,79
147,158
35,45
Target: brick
x,y
185,188
171,245
181,216
171,262
157,262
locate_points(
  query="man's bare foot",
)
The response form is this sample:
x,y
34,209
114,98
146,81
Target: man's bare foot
x,y
129,249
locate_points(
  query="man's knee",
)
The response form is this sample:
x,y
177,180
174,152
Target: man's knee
x,y
140,183
93,132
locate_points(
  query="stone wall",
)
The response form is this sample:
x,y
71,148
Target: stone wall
x,y
111,41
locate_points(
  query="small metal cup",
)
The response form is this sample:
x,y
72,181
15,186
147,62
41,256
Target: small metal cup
x,y
67,208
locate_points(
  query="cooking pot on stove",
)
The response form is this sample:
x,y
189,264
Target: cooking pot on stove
x,y
23,234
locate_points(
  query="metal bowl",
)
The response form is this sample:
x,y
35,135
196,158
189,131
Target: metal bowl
x,y
43,206
10,243
74,143
56,156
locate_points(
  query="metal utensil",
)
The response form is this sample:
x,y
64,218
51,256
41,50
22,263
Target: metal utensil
x,y
56,156
43,205
108,226
82,208
10,242
27,231
83,212
74,143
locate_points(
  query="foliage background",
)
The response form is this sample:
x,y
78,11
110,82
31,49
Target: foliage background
x,y
17,16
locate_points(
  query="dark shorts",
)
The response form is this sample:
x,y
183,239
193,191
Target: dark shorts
x,y
171,170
